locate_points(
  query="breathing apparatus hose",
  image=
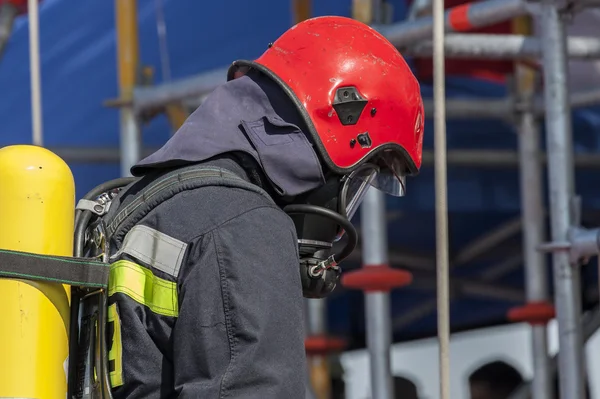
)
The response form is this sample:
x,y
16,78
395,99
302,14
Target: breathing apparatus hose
x,y
82,219
338,218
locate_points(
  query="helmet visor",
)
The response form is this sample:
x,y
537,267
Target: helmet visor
x,y
391,178
356,186
388,176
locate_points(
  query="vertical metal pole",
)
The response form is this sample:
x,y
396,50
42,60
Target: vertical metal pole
x,y
561,189
441,201
368,11
375,253
128,64
377,304
302,10
532,215
34,65
320,377
535,268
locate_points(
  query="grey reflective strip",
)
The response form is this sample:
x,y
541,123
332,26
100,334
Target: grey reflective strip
x,y
154,248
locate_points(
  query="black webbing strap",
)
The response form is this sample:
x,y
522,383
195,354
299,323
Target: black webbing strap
x,y
181,179
81,272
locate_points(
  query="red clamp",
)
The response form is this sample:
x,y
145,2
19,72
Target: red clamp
x,y
376,278
534,313
322,345
20,5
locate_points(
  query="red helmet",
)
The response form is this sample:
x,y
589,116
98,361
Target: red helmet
x,y
356,93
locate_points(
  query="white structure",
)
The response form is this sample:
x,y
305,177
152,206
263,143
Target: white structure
x,y
418,360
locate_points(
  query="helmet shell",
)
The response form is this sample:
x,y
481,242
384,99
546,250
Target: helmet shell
x,y
355,91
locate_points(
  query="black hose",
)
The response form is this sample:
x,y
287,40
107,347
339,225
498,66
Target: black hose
x,y
339,219
342,200
103,367
82,219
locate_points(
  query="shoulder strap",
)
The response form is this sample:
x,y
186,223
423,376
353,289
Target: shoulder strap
x,y
164,188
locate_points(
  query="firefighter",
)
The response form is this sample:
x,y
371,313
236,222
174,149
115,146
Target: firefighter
x,y
207,281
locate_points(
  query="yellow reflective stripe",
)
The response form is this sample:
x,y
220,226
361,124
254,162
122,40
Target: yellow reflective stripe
x,y
115,353
144,287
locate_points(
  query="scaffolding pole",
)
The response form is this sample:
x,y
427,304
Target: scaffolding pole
x,y
457,19
504,47
377,303
441,196
375,254
532,216
128,65
459,157
561,191
35,72
320,378
200,85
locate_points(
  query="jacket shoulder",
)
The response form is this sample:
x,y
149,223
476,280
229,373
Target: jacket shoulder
x,y
192,213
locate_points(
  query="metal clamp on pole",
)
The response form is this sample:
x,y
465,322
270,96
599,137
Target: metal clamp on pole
x,y
582,243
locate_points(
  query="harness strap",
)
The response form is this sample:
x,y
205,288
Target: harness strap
x,y
162,189
81,272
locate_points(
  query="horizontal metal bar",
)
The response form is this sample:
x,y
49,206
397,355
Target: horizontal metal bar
x,y
177,90
580,99
473,108
503,159
481,158
478,15
503,47
197,86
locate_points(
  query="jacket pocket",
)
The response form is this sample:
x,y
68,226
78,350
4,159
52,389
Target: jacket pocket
x,y
271,131
286,155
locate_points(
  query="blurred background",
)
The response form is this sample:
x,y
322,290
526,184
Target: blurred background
x,y
491,351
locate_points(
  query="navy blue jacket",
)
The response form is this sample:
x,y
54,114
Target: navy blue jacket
x,y
205,294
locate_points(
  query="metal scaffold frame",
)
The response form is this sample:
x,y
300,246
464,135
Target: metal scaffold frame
x,y
440,35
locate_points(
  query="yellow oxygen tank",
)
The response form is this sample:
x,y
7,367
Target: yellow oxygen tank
x,y
37,206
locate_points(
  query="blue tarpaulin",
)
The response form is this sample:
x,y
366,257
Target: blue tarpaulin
x,y
78,57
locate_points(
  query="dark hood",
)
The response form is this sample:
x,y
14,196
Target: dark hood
x,y
252,115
